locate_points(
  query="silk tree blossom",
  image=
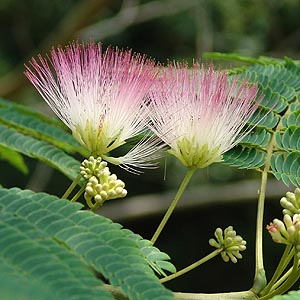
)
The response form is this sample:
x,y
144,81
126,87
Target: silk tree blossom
x,y
200,113
100,96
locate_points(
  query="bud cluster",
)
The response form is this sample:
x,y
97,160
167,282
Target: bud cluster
x,y
101,185
92,167
230,242
288,231
291,203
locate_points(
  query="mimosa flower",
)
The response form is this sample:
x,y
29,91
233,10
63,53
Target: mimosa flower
x,y
100,96
200,113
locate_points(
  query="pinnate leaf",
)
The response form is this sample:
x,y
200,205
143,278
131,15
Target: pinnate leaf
x,y
42,236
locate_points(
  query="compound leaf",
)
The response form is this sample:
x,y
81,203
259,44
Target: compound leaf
x,y
51,241
293,295
27,145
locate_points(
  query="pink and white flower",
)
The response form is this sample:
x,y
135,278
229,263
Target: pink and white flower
x,y
200,112
100,96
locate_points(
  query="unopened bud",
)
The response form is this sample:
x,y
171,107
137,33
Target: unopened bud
x,y
291,203
286,232
101,185
92,167
231,244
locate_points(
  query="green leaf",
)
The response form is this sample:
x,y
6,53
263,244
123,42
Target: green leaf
x,y
292,120
273,100
14,287
279,112
240,58
263,119
24,131
30,112
244,158
286,167
156,259
27,145
41,267
14,158
39,129
52,242
257,136
289,140
293,295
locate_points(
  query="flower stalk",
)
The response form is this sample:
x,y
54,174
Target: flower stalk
x,y
284,261
71,187
78,194
182,187
228,244
192,266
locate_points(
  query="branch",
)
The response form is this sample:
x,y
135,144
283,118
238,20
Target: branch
x,y
64,31
133,15
245,295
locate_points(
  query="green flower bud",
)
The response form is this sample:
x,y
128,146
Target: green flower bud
x,y
231,244
101,185
98,198
291,203
92,167
286,232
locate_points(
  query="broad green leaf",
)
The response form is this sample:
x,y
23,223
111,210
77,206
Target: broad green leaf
x,y
241,58
273,100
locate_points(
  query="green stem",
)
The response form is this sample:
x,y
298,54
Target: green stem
x,y
78,194
192,266
244,295
294,276
281,280
71,187
187,178
96,206
89,202
285,259
260,277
